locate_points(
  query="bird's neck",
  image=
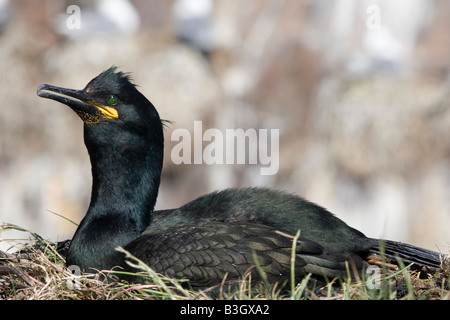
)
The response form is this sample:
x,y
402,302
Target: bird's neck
x,y
124,191
124,183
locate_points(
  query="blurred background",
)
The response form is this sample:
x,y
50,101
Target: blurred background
x,y
359,91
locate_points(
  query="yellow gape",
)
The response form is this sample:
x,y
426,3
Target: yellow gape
x,y
107,112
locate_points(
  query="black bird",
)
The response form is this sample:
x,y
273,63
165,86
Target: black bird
x,y
216,234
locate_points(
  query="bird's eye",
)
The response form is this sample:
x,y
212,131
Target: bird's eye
x,y
112,100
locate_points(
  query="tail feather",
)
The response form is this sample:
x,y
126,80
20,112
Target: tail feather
x,y
406,252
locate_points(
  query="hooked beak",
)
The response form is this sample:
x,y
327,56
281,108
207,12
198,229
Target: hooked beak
x,y
79,101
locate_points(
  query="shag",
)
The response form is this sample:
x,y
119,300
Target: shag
x,y
221,233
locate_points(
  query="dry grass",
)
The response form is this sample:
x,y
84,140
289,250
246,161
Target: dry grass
x,y
37,272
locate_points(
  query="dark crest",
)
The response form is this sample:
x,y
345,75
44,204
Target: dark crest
x,y
111,81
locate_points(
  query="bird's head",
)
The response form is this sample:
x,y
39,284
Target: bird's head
x,y
124,137
114,112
